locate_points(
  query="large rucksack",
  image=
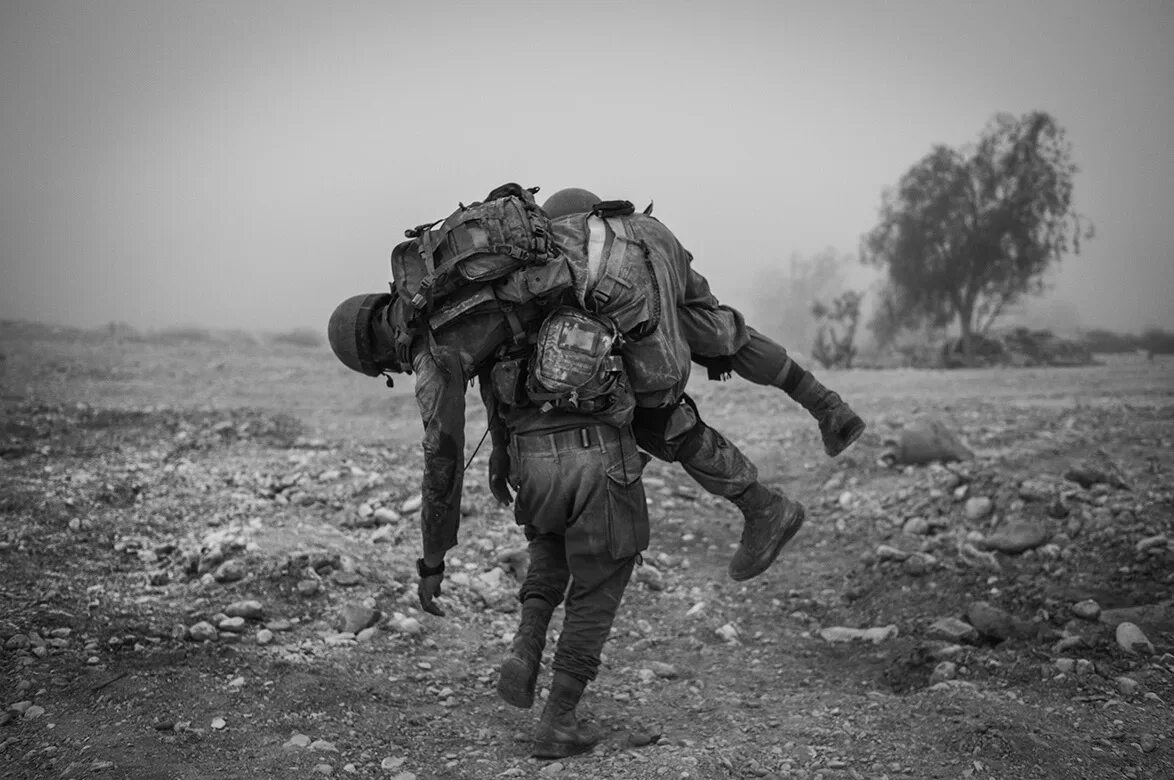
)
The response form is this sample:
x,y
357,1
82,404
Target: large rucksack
x,y
466,263
476,243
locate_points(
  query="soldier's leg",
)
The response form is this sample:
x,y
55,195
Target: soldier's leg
x,y
542,513
721,341
542,590
604,537
678,434
765,362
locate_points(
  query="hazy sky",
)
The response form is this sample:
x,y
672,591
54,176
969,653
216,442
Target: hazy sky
x,y
250,164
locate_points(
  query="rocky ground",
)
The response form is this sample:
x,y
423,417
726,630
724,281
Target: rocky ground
x,y
206,571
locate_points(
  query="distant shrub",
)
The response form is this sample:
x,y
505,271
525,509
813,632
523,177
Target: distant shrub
x,y
299,337
1157,341
1109,342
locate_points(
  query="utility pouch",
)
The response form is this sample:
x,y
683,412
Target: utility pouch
x,y
509,382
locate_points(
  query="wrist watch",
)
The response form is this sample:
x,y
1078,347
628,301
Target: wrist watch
x,y
427,571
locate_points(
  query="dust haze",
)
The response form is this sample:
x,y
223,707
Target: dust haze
x,y
249,166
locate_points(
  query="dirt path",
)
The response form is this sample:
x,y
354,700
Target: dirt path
x,y
128,518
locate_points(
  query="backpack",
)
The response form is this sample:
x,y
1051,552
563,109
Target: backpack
x,y
576,365
467,263
476,243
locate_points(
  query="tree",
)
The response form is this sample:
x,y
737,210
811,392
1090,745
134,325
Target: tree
x,y
835,340
968,232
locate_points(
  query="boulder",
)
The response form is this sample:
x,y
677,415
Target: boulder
x,y
925,441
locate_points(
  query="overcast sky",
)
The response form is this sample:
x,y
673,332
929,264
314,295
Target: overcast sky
x,y
250,164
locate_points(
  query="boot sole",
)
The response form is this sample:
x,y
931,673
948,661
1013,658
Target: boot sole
x,y
514,684
776,547
857,431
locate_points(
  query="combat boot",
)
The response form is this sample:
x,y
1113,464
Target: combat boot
x,y
839,426
519,672
560,734
771,520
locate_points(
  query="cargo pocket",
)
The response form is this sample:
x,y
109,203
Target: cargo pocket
x,y
627,512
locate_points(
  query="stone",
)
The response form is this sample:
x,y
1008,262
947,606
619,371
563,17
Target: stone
x,y
924,441
384,534
248,609
385,515
407,625
297,741
355,617
367,634
17,642
218,723
1152,543
1086,610
413,504
233,624
1017,537
844,634
231,570
264,636
978,508
322,746
641,737
1127,686
886,553
952,630
916,526
945,670
661,669
978,559
309,587
348,579
651,577
992,621
1132,640
1097,468
1036,490
203,632
33,712
918,564
728,633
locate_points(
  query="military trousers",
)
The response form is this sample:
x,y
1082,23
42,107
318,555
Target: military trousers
x,y
581,501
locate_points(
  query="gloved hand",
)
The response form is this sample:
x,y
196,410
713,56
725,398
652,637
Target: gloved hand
x,y
429,588
499,470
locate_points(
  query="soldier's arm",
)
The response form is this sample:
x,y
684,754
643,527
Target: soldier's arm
x,y
440,395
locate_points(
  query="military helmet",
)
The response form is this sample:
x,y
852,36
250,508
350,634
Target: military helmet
x,y
350,332
571,200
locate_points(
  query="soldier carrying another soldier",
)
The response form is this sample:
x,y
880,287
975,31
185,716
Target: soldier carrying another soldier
x,y
622,271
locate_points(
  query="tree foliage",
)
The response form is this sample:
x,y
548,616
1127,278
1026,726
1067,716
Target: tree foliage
x,y
968,232
835,340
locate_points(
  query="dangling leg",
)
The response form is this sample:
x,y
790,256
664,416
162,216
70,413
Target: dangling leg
x,y
677,434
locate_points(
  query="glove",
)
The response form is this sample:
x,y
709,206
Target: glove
x,y
499,469
429,588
